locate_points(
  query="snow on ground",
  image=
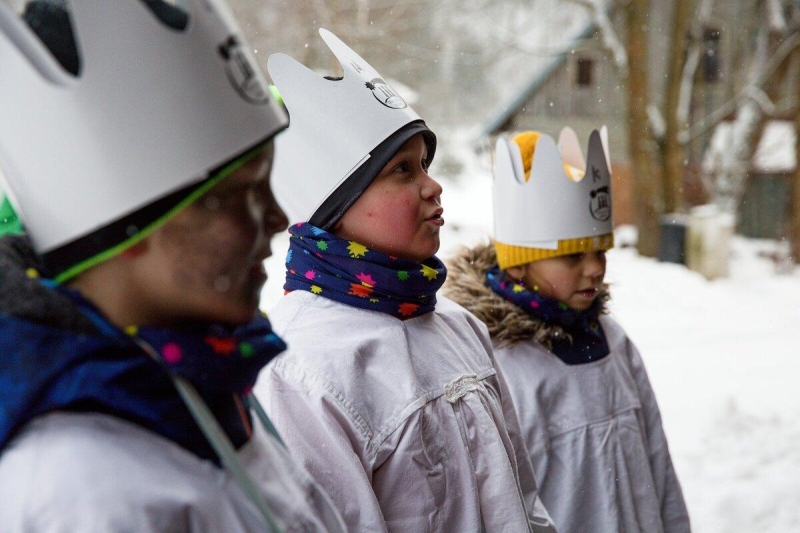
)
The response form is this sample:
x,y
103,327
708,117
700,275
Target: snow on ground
x,y
723,358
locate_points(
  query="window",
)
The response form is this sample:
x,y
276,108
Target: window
x,y
585,68
712,67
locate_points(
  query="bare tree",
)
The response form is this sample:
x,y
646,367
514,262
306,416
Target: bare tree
x,y
755,106
658,155
672,152
795,221
647,182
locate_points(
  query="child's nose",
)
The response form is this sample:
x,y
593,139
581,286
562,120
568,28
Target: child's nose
x,y
431,188
275,220
594,265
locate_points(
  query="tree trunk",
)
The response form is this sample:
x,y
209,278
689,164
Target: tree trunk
x,y
646,186
673,151
795,210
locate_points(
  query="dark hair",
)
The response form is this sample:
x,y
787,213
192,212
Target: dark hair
x,y
339,201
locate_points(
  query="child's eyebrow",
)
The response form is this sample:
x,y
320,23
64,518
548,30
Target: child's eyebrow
x,y
409,152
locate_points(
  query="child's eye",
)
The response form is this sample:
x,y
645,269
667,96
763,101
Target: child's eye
x,y
424,164
402,167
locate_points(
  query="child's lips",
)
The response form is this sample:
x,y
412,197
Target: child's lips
x,y
589,293
436,219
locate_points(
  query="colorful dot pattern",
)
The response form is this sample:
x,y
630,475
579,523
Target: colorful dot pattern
x,y
351,273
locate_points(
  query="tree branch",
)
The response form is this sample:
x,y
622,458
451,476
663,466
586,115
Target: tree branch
x,y
775,19
611,41
693,55
756,85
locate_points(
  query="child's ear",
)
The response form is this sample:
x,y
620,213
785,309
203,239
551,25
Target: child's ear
x,y
136,250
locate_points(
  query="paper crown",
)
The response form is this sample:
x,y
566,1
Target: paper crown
x,y
153,110
335,124
552,205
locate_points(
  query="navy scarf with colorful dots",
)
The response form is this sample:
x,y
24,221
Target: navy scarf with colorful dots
x,y
584,341
126,373
348,272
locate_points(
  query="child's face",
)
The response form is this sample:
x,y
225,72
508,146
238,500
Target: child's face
x,y
400,213
571,279
207,262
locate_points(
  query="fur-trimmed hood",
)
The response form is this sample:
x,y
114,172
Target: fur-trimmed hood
x,y
507,323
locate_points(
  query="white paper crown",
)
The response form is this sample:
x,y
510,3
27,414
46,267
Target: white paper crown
x,y
152,110
552,206
335,124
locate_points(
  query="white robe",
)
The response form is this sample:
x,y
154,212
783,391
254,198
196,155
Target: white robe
x,y
406,424
595,438
94,473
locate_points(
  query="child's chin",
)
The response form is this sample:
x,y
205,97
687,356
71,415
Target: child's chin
x,y
235,315
581,306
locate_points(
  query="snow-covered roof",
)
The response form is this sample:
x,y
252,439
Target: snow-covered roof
x,y
557,28
776,153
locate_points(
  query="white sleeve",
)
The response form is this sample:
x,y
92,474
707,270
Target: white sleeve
x,y
538,515
674,514
324,435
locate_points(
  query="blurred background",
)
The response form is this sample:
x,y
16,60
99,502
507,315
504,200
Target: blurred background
x,y
701,97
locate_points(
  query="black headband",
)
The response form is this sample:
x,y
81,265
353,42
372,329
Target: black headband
x,y
339,201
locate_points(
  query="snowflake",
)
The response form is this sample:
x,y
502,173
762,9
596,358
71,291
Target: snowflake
x,y
322,245
402,275
316,289
310,274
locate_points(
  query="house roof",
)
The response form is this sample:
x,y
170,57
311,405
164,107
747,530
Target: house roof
x,y
538,76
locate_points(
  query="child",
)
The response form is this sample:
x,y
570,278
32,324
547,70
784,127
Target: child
x,y
129,322
586,408
406,424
